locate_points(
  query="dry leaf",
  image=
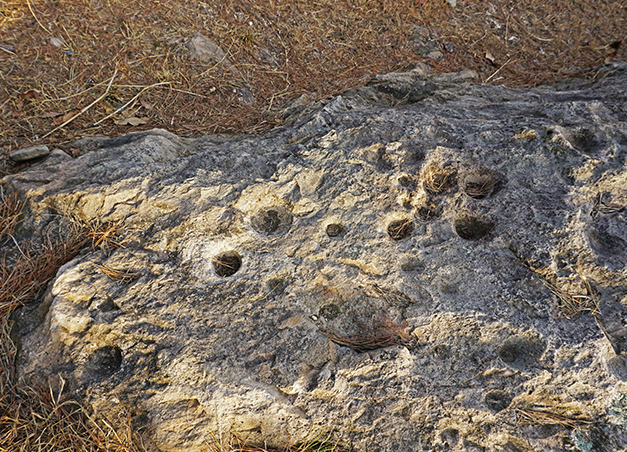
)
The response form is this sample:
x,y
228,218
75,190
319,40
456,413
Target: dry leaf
x,y
490,58
132,121
50,114
62,119
613,49
30,94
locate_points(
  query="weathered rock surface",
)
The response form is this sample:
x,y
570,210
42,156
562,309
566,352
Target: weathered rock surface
x,y
375,269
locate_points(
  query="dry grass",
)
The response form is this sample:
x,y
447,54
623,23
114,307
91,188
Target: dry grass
x,y
384,334
10,211
123,275
321,443
40,420
572,305
117,60
437,180
536,416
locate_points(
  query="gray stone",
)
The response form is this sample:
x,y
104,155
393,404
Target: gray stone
x,y
204,50
376,268
31,153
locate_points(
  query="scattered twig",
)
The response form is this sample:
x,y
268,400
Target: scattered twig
x,y
497,71
35,16
130,101
106,93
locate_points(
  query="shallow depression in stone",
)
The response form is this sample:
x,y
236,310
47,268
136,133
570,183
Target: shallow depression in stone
x,y
227,264
400,229
105,361
471,228
271,220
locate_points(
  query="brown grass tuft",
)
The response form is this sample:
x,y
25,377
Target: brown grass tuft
x,y
384,334
437,180
10,211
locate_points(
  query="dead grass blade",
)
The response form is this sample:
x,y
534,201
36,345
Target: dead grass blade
x,y
124,275
123,107
385,334
538,416
10,210
572,305
83,110
106,236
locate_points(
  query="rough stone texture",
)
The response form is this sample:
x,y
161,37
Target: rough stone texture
x,y
406,215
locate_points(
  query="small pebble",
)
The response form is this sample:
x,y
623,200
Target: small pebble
x,y
33,152
57,42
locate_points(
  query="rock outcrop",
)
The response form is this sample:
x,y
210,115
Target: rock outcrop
x,y
424,263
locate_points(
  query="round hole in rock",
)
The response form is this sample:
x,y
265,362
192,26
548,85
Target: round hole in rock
x,y
437,180
272,220
508,352
105,361
471,228
405,181
498,399
428,213
521,349
400,229
227,264
478,185
334,230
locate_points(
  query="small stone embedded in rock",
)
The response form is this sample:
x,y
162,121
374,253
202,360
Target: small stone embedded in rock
x,y
31,153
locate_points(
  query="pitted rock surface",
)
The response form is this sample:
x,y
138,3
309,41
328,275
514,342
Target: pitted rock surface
x,y
376,269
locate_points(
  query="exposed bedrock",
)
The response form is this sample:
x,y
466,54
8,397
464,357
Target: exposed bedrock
x,y
418,264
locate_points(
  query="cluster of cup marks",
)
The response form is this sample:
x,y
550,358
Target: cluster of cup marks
x,y
478,184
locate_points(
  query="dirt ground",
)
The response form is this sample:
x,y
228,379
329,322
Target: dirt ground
x,y
106,67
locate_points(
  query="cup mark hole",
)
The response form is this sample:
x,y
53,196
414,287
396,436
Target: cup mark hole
x,y
227,264
471,228
334,230
400,229
105,361
272,220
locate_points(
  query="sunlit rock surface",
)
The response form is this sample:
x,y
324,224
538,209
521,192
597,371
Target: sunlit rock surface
x,y
419,264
